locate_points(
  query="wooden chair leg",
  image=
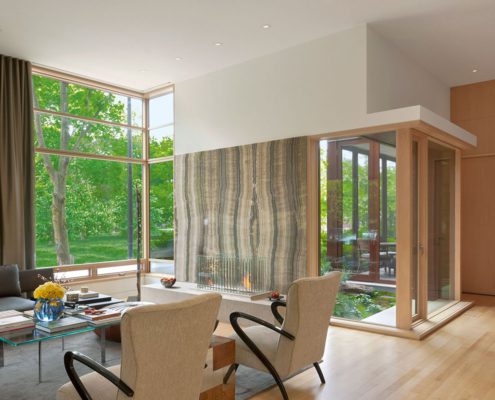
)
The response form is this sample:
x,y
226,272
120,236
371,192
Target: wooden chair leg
x,y
320,373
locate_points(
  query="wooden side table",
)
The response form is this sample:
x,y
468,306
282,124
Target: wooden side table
x,y
221,355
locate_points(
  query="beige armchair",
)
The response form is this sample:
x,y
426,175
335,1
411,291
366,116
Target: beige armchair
x,y
163,355
300,342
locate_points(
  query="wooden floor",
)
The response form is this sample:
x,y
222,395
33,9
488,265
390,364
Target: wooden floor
x,y
456,362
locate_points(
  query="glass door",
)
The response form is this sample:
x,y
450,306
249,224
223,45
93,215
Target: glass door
x,y
358,224
441,226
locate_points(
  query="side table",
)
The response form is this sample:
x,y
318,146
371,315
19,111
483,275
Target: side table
x,y
221,355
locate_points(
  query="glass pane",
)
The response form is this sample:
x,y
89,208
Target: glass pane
x,y
162,142
350,227
162,210
162,267
441,218
116,270
415,230
85,211
72,274
388,223
54,95
161,110
63,133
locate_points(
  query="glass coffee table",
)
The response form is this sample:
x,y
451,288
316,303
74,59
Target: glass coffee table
x,y
33,335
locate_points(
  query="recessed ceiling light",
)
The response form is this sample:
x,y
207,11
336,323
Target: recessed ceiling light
x,y
143,70
178,58
267,26
218,44
475,70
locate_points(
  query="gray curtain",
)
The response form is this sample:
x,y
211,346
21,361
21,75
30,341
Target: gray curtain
x,y
16,164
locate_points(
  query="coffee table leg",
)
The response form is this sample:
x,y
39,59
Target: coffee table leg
x,y
1,354
103,332
39,362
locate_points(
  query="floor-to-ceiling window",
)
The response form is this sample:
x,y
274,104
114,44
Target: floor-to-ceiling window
x,y
161,176
358,224
91,157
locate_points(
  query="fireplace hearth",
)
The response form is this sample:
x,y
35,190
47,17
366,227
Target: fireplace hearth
x,y
232,274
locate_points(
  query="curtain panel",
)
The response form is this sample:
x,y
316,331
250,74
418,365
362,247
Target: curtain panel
x,y
16,164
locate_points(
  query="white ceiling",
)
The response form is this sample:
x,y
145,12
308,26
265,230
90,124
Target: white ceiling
x,y
134,43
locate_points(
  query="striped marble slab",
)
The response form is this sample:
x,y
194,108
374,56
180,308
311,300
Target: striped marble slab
x,y
246,201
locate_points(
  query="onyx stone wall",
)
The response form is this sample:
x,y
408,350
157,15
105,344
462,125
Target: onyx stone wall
x,y
246,201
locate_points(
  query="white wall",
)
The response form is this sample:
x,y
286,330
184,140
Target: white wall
x,y
326,85
394,80
303,90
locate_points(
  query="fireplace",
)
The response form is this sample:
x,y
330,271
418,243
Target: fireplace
x,y
232,274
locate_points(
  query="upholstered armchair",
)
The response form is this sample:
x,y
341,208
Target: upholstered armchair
x,y
300,340
164,350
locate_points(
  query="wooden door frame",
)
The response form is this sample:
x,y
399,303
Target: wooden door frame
x,y
424,132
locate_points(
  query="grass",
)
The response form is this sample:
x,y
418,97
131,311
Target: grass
x,y
100,249
106,248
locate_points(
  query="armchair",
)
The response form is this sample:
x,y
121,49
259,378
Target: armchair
x,y
163,355
299,342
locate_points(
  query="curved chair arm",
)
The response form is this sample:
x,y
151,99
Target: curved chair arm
x,y
275,305
69,358
236,315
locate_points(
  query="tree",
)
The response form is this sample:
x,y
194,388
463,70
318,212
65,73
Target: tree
x,y
64,133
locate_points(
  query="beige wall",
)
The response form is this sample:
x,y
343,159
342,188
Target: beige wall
x,y
473,108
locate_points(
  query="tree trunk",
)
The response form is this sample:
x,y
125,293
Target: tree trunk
x,y
60,232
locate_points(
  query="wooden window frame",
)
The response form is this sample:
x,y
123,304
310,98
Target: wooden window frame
x,y
144,161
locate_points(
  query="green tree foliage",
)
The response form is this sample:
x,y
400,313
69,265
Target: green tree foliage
x,y
93,193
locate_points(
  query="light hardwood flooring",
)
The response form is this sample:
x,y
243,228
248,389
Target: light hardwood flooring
x,y
456,362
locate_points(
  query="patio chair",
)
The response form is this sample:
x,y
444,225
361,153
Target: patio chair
x,y
299,342
163,355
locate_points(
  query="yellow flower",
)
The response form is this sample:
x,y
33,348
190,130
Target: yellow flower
x,y
49,291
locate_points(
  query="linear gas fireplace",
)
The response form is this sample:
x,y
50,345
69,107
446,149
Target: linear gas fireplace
x,y
232,274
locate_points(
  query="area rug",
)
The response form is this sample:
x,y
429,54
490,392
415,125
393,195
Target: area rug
x,y
19,376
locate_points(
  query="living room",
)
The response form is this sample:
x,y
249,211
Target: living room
x,y
172,174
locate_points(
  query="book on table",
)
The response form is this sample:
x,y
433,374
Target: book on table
x,y
9,313
102,316
97,299
104,321
15,322
63,324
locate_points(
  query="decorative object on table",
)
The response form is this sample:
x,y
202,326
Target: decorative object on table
x,y
84,289
275,295
49,305
88,294
72,297
63,324
167,282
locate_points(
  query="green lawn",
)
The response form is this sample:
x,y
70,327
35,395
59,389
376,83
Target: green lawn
x,y
101,249
107,248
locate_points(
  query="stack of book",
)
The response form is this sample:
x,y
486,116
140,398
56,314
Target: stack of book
x,y
14,320
101,317
85,298
63,324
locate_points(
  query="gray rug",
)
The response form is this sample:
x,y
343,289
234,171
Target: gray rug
x,y
19,376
